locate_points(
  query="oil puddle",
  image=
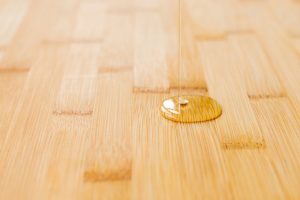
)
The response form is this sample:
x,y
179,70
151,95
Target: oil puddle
x,y
190,109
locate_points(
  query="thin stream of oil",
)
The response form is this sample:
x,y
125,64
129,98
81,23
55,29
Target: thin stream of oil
x,y
179,52
188,109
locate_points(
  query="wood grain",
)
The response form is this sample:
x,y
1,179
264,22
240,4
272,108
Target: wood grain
x,y
244,131
193,77
150,66
12,13
82,82
78,86
214,19
284,58
20,54
256,69
62,31
288,13
117,52
85,28
284,164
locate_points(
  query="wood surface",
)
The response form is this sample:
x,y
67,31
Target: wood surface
x,y
81,83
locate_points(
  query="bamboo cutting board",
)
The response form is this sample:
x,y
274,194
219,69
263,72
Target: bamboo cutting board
x,y
81,83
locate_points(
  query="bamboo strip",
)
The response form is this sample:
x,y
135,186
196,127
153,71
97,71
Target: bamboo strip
x,y
154,173
284,59
62,31
76,96
11,15
117,54
78,86
288,13
111,146
237,127
201,163
64,156
79,158
214,19
24,143
256,69
191,72
281,129
11,86
249,171
90,154
109,153
150,66
86,29
20,54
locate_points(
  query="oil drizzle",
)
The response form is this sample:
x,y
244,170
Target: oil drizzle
x,y
193,109
188,109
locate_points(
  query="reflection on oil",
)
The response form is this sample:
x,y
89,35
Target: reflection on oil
x,y
190,109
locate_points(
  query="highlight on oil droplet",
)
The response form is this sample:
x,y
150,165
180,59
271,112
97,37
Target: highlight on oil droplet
x,y
190,109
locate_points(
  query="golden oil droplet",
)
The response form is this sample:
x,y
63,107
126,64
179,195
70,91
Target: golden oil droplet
x,y
190,109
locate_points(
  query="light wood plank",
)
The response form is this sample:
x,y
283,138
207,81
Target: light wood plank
x,y
191,69
64,157
87,28
214,19
256,69
154,161
201,163
76,96
114,144
150,66
62,30
24,143
11,86
21,53
279,124
92,154
78,86
108,163
237,127
11,15
284,58
117,54
191,72
252,175
288,13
